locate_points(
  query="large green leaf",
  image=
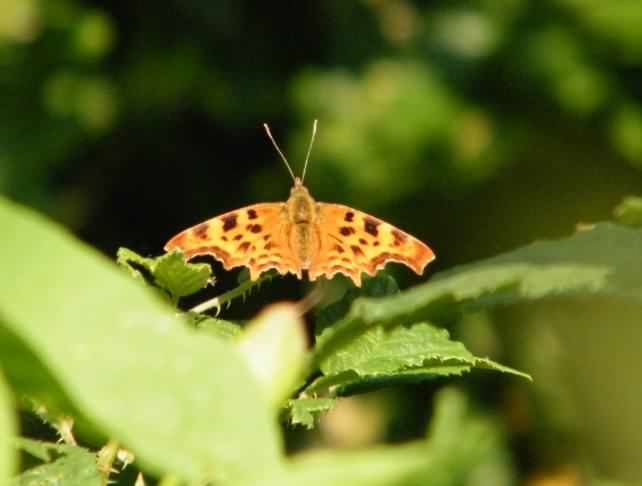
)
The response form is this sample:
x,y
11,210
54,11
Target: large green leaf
x,y
274,347
26,371
7,430
399,355
603,260
183,402
383,352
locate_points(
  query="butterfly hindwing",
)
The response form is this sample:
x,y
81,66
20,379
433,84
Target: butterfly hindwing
x,y
352,242
255,237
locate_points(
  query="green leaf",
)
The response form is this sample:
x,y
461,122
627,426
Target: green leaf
x,y
380,285
29,376
216,327
169,272
379,355
464,437
178,277
460,445
629,211
350,383
380,351
183,402
45,451
303,411
138,266
65,464
604,260
274,346
7,430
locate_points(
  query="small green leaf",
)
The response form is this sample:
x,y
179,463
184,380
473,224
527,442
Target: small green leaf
x,y
303,411
169,272
179,278
629,211
39,449
45,451
7,430
138,266
70,465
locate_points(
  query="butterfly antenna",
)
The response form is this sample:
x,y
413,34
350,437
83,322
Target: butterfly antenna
x,y
269,134
307,157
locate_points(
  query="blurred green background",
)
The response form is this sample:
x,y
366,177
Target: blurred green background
x,y
478,126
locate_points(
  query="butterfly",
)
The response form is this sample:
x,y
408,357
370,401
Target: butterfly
x,y
302,234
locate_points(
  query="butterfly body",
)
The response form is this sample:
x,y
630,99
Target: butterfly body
x,y
301,217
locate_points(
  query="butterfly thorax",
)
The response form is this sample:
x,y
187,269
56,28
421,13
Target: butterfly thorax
x,y
302,215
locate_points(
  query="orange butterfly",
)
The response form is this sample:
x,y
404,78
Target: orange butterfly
x,y
302,234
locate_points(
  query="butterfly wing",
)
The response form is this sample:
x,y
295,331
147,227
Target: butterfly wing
x,y
255,237
352,242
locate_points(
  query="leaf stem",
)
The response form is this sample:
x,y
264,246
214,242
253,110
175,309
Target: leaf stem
x,y
226,297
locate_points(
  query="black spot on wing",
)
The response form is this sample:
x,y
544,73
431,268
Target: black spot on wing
x,y
370,225
399,237
229,222
356,251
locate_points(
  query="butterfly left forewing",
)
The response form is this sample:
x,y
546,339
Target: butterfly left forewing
x,y
352,242
255,236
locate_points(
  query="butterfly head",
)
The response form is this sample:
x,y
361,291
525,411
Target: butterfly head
x,y
298,189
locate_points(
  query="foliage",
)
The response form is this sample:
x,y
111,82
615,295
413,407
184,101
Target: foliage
x,y
131,369
7,455
63,463
478,126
